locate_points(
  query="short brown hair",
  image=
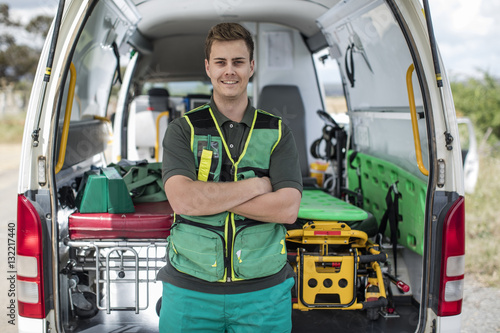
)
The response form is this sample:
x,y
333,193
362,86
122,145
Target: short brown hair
x,y
227,32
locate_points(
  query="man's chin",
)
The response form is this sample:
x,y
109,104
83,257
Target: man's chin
x,y
229,95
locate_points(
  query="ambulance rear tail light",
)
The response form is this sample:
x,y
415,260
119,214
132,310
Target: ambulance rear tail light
x,y
453,261
29,260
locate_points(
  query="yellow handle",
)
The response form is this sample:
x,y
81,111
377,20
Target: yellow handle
x,y
376,267
157,145
103,119
67,118
414,124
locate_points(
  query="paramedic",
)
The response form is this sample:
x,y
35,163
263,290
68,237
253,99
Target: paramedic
x,y
232,177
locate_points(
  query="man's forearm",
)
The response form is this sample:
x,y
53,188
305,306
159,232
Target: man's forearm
x,y
196,198
281,206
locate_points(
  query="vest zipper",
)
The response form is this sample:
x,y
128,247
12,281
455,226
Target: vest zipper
x,y
229,247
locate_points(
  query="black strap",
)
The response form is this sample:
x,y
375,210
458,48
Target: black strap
x,y
117,70
67,197
391,215
358,191
349,69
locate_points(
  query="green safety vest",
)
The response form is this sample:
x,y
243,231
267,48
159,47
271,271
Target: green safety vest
x,y
227,247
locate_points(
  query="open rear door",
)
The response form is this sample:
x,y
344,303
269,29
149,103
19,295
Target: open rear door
x,y
377,69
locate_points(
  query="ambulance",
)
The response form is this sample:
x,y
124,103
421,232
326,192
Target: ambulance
x,y
114,73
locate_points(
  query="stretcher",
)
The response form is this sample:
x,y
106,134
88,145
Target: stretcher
x,y
337,266
117,249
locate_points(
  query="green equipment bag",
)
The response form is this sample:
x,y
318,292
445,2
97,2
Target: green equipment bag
x,y
104,191
143,180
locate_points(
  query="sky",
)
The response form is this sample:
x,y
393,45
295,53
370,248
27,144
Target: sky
x,y
467,31
468,35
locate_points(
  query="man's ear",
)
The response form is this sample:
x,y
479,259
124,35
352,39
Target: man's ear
x,y
207,67
252,67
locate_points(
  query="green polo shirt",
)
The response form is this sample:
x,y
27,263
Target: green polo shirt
x,y
178,159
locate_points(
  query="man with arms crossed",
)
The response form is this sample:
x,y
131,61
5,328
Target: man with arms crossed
x,y
232,177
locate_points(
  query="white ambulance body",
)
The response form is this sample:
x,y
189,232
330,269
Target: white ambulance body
x,y
402,134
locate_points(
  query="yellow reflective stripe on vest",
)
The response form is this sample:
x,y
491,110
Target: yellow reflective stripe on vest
x,y
233,225
246,145
279,136
192,133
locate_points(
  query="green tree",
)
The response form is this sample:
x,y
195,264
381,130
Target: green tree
x,y
479,99
39,25
5,17
18,62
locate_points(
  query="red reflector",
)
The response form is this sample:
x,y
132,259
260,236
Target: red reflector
x,y
29,244
450,290
150,108
31,310
328,233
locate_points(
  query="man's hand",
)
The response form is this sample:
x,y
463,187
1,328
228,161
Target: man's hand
x,y
265,182
281,206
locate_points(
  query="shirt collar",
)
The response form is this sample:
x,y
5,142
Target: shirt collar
x,y
221,119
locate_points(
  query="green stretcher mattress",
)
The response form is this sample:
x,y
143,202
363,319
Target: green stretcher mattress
x,y
320,206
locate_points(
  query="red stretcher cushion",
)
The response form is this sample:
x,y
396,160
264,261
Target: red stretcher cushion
x,y
151,220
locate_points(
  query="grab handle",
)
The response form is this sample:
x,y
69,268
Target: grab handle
x,y
157,145
67,118
414,124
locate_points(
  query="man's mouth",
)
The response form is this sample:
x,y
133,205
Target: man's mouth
x,y
229,82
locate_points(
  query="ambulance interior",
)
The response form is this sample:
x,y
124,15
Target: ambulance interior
x,y
138,65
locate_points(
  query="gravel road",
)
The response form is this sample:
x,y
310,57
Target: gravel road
x,y
481,309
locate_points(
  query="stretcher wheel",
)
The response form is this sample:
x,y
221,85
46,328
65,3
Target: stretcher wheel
x,y
88,313
372,313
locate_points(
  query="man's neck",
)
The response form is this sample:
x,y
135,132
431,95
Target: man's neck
x,y
233,109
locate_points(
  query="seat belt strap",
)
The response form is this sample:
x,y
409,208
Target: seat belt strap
x,y
392,216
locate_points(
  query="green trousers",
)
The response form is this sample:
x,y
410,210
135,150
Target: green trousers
x,y
267,310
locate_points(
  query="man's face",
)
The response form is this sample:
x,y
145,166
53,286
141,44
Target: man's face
x,y
229,69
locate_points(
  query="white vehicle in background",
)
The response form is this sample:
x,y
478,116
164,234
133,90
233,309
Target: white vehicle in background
x,y
470,154
79,272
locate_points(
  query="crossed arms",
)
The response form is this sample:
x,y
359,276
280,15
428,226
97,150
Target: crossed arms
x,y
252,198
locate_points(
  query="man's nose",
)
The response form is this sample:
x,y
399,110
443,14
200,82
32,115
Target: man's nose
x,y
229,70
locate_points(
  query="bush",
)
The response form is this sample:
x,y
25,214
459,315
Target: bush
x,y
479,99
482,221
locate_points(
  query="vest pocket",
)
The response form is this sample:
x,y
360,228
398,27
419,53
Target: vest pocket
x,y
196,251
208,157
259,251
